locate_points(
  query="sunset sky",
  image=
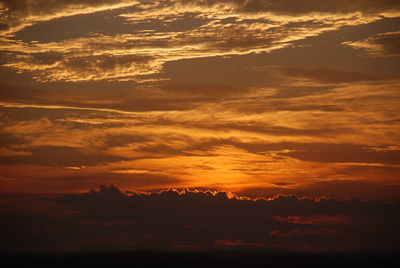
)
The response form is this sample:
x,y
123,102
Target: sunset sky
x,y
252,97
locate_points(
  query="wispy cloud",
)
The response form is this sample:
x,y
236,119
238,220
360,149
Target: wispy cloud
x,y
380,45
246,96
222,28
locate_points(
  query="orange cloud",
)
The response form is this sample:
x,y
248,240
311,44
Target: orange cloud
x,y
138,55
380,45
23,13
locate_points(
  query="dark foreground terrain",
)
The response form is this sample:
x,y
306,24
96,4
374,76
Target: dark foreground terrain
x,y
199,259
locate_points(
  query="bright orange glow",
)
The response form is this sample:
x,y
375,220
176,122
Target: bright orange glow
x,y
255,99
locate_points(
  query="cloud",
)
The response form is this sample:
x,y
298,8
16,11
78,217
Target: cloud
x,y
328,76
221,29
233,142
380,45
17,14
390,157
365,189
287,7
20,13
321,152
308,6
342,188
119,139
209,220
59,156
214,90
8,140
53,66
117,100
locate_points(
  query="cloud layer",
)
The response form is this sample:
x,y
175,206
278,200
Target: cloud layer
x,y
380,45
215,29
108,219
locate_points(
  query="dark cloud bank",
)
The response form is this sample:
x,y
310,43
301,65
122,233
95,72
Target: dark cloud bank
x,y
108,219
107,227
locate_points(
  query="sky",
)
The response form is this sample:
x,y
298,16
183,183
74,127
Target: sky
x,y
252,98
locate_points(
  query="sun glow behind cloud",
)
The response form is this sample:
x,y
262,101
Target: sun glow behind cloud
x,y
253,97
